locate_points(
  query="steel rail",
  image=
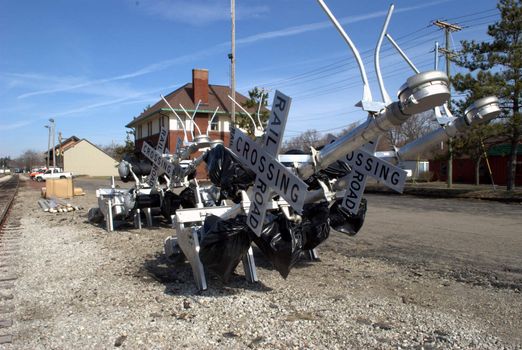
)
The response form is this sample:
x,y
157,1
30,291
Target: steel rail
x,y
10,185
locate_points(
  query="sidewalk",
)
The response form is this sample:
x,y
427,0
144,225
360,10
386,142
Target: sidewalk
x,y
440,190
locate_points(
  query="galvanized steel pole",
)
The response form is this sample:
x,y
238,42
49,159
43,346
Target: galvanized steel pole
x,y
232,57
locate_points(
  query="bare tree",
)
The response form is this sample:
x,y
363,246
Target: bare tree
x,y
313,138
414,128
303,142
347,129
29,159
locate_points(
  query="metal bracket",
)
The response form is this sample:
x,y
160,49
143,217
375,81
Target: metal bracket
x,y
188,242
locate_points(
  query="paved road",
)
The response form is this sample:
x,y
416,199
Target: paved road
x,y
91,185
471,240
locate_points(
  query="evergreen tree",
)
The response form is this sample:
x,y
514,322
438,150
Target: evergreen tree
x,y
256,98
496,69
476,143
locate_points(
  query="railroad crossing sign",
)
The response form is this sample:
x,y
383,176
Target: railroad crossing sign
x,y
363,164
159,164
271,175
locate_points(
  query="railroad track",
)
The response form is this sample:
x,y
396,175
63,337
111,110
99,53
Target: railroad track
x,y
9,236
8,190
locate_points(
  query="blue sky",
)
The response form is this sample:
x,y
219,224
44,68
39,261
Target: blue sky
x,y
94,65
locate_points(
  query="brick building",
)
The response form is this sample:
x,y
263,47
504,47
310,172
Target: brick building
x,y
147,125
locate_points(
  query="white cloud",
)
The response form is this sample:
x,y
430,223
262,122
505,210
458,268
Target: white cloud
x,y
295,30
14,125
71,83
141,97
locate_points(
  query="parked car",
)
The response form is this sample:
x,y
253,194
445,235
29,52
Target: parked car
x,y
36,171
53,173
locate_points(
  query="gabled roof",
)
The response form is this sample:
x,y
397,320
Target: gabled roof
x,y
68,142
217,96
92,144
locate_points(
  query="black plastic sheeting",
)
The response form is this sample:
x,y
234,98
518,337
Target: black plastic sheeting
x,y
279,243
140,167
315,225
345,222
152,200
171,203
226,172
188,198
223,243
282,241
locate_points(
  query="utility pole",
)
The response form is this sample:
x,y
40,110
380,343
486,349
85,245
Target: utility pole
x,y
53,127
232,57
48,145
448,28
61,151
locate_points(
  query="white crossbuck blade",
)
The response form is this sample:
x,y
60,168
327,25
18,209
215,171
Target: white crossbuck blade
x,y
272,176
272,143
363,164
159,164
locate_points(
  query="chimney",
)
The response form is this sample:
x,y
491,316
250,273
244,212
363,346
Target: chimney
x,y
200,85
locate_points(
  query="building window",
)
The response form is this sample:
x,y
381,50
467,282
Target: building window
x,y
139,132
162,121
214,126
149,128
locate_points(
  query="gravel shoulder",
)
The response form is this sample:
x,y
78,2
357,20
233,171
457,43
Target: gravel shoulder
x,y
396,285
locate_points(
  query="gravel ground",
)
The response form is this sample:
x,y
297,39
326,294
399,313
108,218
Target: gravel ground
x,y
79,287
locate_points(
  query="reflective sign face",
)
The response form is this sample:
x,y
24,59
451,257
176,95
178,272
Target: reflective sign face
x,y
271,144
381,170
159,164
354,192
272,175
363,164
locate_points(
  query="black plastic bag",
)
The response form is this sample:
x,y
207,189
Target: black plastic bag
x,y
227,173
188,198
171,203
343,221
315,226
223,243
140,166
281,242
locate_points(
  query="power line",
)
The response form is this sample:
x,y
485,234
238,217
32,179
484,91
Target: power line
x,y
336,66
479,18
345,61
471,14
335,69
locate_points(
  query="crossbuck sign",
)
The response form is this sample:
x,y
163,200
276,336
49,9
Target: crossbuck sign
x,y
271,175
363,164
159,164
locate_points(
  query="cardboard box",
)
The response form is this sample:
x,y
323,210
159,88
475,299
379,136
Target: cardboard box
x,y
78,191
59,188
